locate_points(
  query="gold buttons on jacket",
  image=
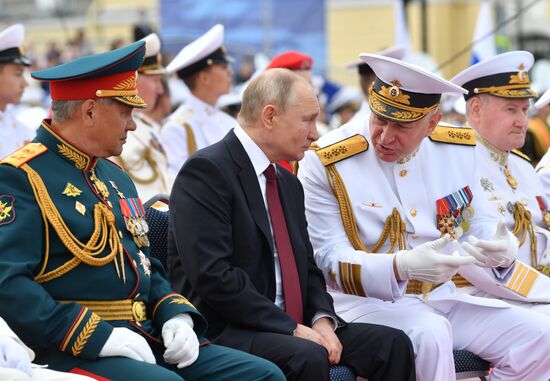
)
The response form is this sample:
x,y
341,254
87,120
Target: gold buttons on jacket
x,y
403,173
413,212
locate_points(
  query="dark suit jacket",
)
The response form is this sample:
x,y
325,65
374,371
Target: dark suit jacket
x,y
220,249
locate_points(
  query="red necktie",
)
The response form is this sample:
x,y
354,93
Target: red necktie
x,y
289,273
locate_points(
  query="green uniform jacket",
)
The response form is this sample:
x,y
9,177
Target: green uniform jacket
x,y
51,206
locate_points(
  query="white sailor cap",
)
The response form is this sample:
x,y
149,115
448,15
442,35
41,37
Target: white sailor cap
x,y
11,41
397,52
543,100
404,92
504,75
231,99
346,96
152,63
201,53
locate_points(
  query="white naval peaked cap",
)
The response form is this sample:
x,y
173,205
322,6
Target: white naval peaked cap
x,y
504,75
345,96
11,40
231,99
404,92
397,52
200,53
543,100
152,63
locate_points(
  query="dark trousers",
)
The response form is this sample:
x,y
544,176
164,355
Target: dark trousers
x,y
373,351
214,363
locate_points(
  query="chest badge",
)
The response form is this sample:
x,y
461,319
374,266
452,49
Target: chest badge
x,y
80,208
544,210
145,263
487,184
115,187
71,191
100,187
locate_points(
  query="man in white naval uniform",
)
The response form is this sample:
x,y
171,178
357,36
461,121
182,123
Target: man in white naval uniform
x,y
379,186
13,134
143,156
497,105
16,357
204,67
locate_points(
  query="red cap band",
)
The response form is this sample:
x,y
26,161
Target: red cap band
x,y
78,89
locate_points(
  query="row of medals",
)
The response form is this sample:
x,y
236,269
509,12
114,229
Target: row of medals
x,y
136,225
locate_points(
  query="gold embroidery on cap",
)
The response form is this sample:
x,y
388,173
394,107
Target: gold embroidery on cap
x,y
394,93
520,77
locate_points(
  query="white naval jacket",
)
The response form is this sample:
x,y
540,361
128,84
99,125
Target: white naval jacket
x,y
144,159
207,124
543,172
13,134
498,193
437,170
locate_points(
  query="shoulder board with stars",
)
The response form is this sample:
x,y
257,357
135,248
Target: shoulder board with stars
x,y
24,154
343,149
453,135
521,154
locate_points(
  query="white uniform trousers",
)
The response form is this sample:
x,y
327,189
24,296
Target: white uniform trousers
x,y
491,333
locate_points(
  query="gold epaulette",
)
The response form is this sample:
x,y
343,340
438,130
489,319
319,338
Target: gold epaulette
x,y
24,154
314,146
454,135
521,154
343,149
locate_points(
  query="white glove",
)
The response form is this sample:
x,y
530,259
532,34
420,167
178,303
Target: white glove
x,y
13,355
181,342
126,343
501,251
426,264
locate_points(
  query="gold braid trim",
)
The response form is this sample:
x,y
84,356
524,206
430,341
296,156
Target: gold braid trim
x,y
394,227
104,230
85,335
149,160
507,89
401,106
522,226
191,142
543,269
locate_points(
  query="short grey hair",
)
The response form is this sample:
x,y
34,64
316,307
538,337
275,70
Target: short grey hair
x,y
65,110
275,87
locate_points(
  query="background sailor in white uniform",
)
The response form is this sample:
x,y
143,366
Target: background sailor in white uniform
x,y
13,134
143,156
204,67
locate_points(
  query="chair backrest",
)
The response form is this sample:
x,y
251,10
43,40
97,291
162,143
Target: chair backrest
x,y
341,373
157,216
469,365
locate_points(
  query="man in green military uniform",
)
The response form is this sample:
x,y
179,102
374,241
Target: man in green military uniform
x,y
76,280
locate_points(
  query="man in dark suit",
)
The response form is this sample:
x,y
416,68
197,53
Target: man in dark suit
x,y
239,248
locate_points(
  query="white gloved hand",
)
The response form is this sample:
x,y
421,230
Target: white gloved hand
x,y
501,251
13,355
181,342
126,343
426,264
